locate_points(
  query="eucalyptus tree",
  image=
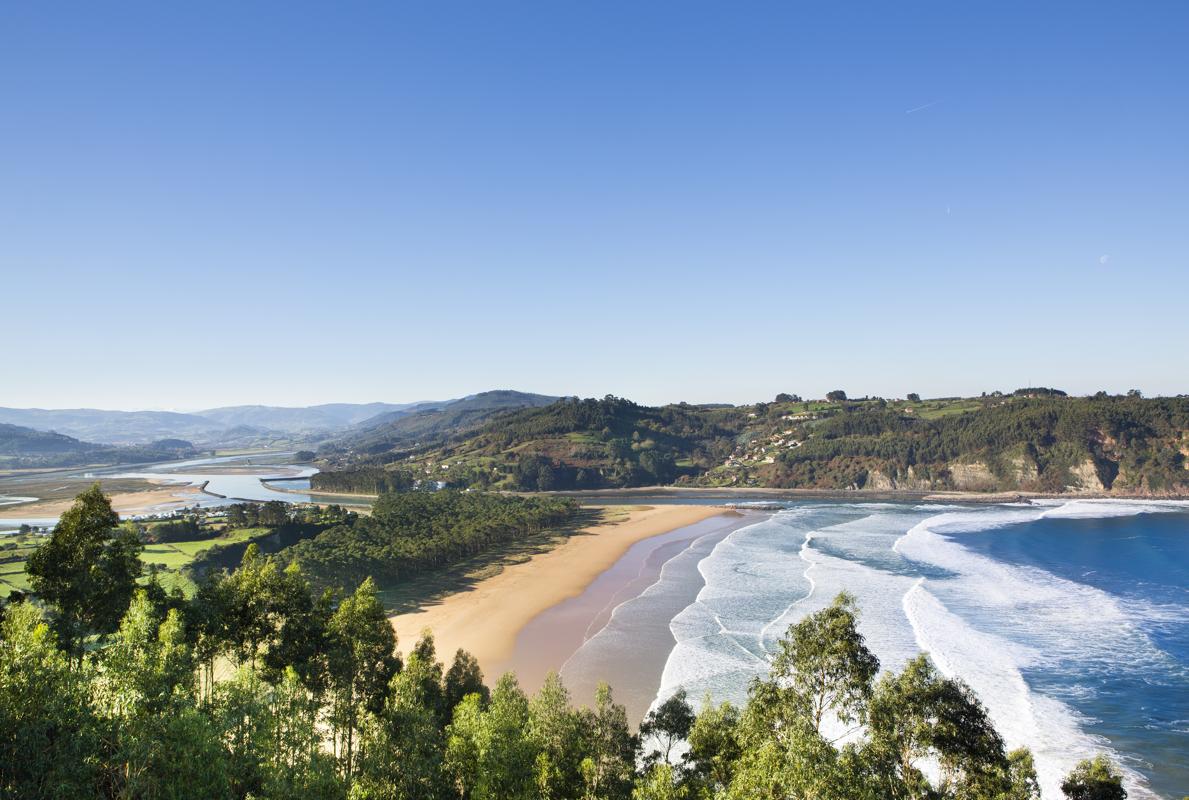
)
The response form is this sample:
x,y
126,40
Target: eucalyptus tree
x,y
1094,779
556,729
87,570
918,716
714,747
666,726
49,736
489,752
402,748
361,661
609,765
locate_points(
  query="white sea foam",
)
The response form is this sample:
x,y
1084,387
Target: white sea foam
x,y
983,620
765,577
1026,618
989,665
1077,509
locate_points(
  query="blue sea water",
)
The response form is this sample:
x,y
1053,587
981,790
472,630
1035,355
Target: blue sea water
x,y
1070,620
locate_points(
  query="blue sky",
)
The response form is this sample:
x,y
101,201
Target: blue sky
x,y
207,204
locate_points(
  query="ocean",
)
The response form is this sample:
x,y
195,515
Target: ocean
x,y
1069,619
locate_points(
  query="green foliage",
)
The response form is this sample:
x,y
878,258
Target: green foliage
x,y
87,569
666,725
1094,779
1036,439
1130,442
47,728
363,480
413,533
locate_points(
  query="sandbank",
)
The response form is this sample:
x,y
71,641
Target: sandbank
x,y
150,500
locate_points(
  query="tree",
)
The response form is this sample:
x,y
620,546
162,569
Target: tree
x,y
609,766
147,667
1021,781
464,677
658,784
785,397
87,569
666,725
913,397
557,732
714,746
490,753
274,513
836,396
401,749
362,660
48,735
825,663
1094,779
420,682
918,716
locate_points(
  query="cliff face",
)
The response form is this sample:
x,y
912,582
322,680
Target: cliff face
x,y
1023,471
973,476
1086,478
879,481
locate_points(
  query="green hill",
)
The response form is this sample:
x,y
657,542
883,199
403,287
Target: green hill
x,y
1036,440
24,447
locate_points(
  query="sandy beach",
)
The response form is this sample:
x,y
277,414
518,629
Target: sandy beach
x,y
157,499
486,619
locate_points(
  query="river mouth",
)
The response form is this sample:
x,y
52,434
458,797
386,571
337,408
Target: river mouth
x,y
197,483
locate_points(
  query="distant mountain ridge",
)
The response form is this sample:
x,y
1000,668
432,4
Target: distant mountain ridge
x,y
257,425
26,447
432,422
303,419
113,427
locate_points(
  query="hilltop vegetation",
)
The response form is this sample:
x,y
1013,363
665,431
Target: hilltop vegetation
x,y
1036,439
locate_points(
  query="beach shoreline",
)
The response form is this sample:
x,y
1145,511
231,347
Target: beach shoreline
x,y
487,618
728,493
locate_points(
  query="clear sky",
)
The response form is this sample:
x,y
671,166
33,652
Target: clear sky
x,y
288,203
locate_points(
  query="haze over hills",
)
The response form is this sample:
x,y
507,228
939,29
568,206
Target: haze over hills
x,y
26,447
299,419
114,427
432,422
261,425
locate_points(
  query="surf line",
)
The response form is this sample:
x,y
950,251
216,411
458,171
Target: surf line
x,y
805,547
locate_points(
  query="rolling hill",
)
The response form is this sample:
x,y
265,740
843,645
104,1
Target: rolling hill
x,y
114,427
431,423
307,419
25,447
1032,441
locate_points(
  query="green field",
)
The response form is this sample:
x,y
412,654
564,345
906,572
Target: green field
x,y
170,558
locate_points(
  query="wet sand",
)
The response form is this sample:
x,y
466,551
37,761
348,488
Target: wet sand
x,y
148,501
488,618
617,631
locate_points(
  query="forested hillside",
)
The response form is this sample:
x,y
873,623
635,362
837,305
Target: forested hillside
x,y
391,434
1034,440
